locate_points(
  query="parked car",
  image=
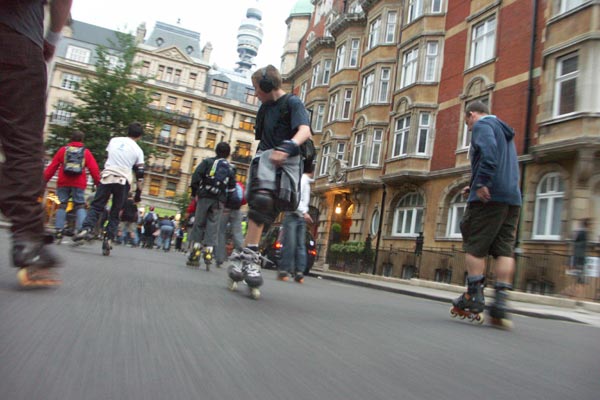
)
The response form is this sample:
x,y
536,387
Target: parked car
x,y
271,247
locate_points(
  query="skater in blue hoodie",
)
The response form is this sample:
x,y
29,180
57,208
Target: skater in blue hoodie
x,y
494,201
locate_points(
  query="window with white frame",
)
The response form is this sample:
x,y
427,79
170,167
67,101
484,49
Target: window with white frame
x,y
165,131
62,112
431,61
326,72
315,75
355,8
78,54
390,28
437,6
483,41
456,210
408,215
347,105
423,133
70,81
302,94
113,61
331,116
340,152
466,136
384,85
359,144
340,57
366,96
568,5
374,29
401,131
324,159
376,147
318,125
409,67
565,86
354,48
375,222
415,10
549,200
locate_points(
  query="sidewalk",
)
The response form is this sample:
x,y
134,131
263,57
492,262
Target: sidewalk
x,y
531,305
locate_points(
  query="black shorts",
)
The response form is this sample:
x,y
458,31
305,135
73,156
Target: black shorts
x,y
490,229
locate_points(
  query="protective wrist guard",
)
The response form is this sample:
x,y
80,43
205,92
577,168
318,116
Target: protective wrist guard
x,y
138,195
290,147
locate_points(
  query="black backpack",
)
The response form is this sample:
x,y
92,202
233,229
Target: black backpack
x,y
216,179
74,160
307,149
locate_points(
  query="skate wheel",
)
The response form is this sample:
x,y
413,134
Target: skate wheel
x,y
232,285
25,280
453,313
255,293
478,319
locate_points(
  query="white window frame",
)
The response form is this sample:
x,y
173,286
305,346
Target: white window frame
x,y
431,61
319,118
401,132
332,114
347,104
61,113
568,5
326,72
483,41
340,151
456,210
375,157
340,57
384,84
563,79
354,49
303,90
324,167
415,10
165,131
359,145
408,215
425,122
315,75
366,96
78,54
70,81
374,31
549,191
375,222
390,28
466,136
409,66
437,6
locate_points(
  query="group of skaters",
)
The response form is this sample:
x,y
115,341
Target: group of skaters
x,y
282,127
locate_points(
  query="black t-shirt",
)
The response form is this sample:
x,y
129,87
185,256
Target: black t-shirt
x,y
276,126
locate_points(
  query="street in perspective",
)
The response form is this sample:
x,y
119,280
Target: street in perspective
x,y
142,325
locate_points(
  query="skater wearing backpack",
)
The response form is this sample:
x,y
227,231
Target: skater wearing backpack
x,y
212,180
71,161
283,127
149,223
232,216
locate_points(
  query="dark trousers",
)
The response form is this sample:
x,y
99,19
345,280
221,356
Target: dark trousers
x,y
22,118
103,193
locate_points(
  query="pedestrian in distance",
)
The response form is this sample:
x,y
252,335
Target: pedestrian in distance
x,y
167,227
231,221
24,51
282,126
293,253
124,156
490,221
129,220
71,161
149,224
211,182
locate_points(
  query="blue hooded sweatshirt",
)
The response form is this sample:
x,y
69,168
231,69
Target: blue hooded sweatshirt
x,y
494,161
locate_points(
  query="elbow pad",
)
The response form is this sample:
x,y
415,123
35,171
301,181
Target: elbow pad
x,y
139,172
290,147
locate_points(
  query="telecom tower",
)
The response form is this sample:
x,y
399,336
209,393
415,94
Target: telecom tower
x,y
249,37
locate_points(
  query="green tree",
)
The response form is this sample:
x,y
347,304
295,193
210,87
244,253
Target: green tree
x,y
110,100
183,201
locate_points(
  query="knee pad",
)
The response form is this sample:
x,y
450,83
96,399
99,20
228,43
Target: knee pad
x,y
262,207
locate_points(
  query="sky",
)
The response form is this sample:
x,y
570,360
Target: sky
x,y
217,22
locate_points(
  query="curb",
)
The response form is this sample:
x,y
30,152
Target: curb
x,y
339,277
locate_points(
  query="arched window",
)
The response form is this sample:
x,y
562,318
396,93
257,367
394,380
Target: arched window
x,y
375,222
549,200
456,210
408,215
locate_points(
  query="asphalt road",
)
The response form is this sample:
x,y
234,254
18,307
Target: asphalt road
x,y
140,325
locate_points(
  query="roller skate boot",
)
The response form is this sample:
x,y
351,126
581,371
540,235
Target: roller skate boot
x,y
497,311
82,236
207,254
283,276
234,270
253,279
194,257
58,236
106,244
299,277
36,263
471,303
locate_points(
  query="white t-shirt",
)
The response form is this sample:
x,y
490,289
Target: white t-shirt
x,y
123,153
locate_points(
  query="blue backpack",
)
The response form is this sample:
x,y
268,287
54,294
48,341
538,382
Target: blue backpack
x,y
216,180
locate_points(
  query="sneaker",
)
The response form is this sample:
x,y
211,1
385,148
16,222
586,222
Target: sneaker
x,y
83,234
283,276
299,277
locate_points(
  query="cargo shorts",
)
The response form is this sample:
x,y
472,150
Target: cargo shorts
x,y
490,229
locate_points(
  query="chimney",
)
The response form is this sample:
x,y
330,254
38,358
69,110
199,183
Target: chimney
x,y
206,52
140,33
